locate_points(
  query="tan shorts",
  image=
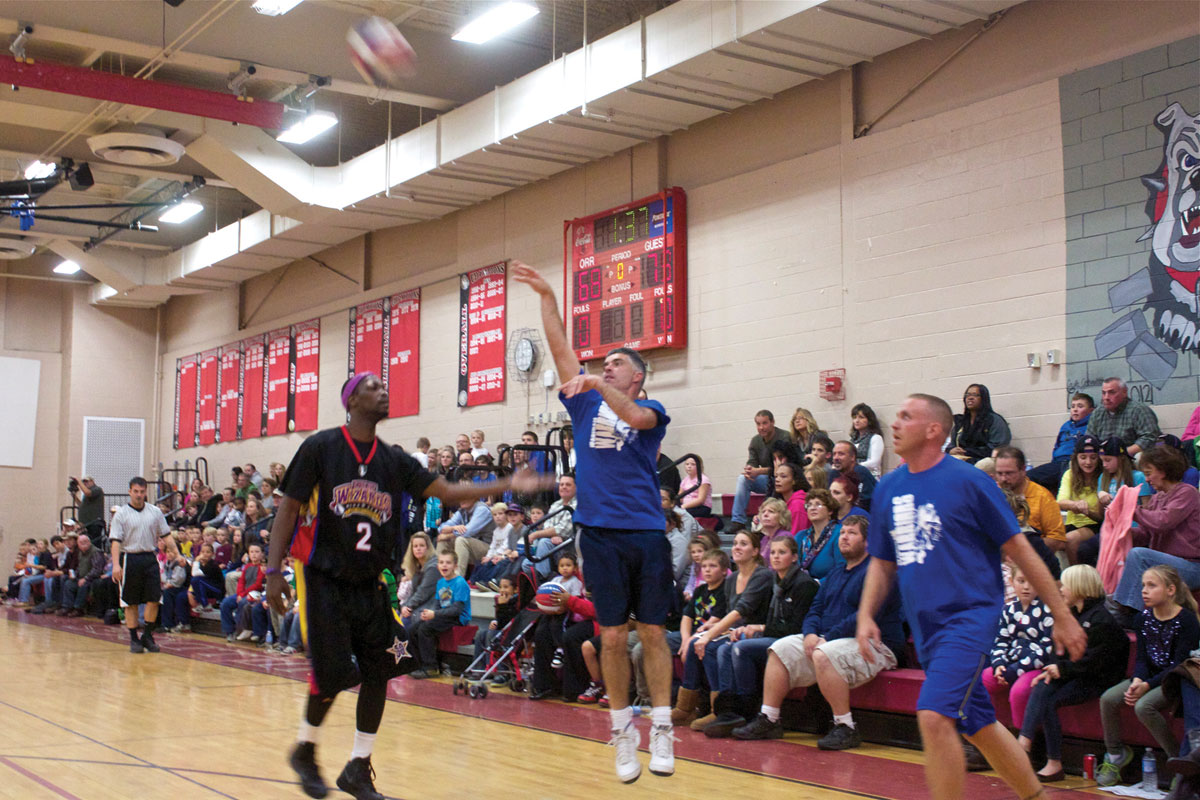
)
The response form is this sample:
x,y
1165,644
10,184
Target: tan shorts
x,y
843,654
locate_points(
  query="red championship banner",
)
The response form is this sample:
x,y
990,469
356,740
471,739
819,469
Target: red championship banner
x,y
367,338
209,369
278,381
403,366
185,402
253,387
305,375
481,336
229,394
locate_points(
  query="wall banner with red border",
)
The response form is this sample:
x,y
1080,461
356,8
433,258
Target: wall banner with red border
x,y
367,331
253,388
481,336
186,385
402,341
277,383
229,394
207,409
304,376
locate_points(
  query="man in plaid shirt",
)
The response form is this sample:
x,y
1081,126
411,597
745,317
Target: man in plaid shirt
x,y
1133,423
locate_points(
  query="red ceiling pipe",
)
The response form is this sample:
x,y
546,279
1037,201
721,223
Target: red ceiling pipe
x,y
98,85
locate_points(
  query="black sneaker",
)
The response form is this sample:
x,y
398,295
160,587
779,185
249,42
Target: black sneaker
x,y
722,727
135,646
760,728
304,762
842,737
148,641
358,780
420,674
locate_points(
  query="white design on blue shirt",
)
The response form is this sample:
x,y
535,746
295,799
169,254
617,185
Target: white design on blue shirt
x,y
610,432
916,531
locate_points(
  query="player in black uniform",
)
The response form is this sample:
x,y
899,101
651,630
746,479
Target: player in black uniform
x,y
345,498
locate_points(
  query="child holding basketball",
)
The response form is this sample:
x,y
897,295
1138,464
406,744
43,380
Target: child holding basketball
x,y
1168,630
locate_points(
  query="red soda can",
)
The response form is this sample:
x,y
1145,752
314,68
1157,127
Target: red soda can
x,y
1089,767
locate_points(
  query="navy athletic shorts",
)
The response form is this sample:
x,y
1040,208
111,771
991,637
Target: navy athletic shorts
x,y
954,687
627,572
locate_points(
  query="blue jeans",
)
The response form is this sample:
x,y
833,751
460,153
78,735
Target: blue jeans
x,y
260,620
54,591
749,659
25,594
289,630
1129,590
741,497
230,607
76,596
693,668
1190,694
204,590
175,607
718,665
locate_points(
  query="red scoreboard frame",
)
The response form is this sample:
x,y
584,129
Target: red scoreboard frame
x,y
625,276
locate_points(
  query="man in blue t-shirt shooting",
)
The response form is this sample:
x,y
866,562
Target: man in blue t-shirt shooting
x,y
620,525
940,526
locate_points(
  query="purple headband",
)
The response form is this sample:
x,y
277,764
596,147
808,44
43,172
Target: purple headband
x,y
351,385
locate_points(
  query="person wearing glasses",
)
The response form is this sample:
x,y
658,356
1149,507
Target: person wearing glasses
x,y
978,430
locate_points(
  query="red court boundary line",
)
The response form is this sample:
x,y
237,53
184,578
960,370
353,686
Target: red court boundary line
x,y
33,776
861,774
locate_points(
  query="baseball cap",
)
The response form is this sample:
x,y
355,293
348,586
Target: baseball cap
x,y
1087,444
516,507
1171,440
1113,446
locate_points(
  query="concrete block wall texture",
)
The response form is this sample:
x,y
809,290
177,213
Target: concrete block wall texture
x,y
1110,142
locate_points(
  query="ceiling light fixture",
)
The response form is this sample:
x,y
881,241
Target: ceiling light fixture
x,y
181,212
67,268
313,124
38,170
275,8
495,22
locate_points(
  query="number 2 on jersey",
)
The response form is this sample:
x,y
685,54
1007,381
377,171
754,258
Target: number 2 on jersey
x,y
364,543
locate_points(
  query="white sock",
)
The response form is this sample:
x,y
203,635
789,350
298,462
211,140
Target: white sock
x,y
621,717
844,719
660,715
364,743
308,733
770,712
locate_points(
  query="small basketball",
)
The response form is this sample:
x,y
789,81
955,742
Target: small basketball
x,y
545,598
380,52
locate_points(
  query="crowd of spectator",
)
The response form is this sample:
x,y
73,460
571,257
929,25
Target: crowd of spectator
x,y
767,596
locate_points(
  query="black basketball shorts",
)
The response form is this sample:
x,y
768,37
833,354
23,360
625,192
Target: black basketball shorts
x,y
141,581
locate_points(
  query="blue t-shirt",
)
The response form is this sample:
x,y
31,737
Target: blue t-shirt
x,y
453,591
943,528
615,465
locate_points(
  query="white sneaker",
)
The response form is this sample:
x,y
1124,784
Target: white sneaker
x,y
629,769
662,750
244,635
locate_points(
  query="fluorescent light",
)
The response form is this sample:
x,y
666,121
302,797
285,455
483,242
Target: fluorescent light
x,y
39,169
275,8
181,212
499,20
313,124
67,268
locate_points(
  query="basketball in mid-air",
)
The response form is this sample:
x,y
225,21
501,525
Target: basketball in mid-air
x,y
380,52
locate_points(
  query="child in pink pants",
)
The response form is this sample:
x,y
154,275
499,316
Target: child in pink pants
x,y
1023,646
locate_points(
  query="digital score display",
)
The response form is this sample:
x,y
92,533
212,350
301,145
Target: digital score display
x,y
626,271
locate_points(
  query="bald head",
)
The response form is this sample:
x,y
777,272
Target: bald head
x,y
920,427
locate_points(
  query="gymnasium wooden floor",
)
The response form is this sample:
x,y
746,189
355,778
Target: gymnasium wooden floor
x,y
82,717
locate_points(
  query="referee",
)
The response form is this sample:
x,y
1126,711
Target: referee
x,y
135,531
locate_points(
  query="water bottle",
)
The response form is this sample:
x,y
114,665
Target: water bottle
x,y
1149,771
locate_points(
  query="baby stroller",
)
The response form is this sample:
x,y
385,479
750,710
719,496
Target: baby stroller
x,y
504,657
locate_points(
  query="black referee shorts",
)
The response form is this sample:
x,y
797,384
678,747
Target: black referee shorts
x,y
140,579
351,632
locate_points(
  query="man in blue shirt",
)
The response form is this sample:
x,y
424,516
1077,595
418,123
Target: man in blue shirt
x,y
1050,475
620,525
941,525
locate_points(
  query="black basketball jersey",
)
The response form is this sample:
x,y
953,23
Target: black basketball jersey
x,y
354,498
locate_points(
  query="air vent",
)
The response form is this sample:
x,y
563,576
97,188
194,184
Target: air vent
x,y
15,249
136,148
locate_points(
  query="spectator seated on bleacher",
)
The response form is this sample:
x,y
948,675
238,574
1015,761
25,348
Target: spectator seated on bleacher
x,y
1044,514
1077,495
826,651
420,576
773,521
236,605
1168,630
28,572
804,430
845,462
62,557
1116,470
695,489
705,607
559,527
1135,424
845,492
468,532
818,459
174,574
1064,682
494,561
452,606
206,586
506,608
560,634
1167,531
978,430
867,438
89,566
1050,474
748,597
818,543
756,475
737,682
1191,475
1023,646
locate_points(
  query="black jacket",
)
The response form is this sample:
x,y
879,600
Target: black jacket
x,y
980,436
1104,661
789,603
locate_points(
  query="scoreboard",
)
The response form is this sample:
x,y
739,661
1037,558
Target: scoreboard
x,y
626,276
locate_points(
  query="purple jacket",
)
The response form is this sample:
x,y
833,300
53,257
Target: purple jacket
x,y
1170,523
